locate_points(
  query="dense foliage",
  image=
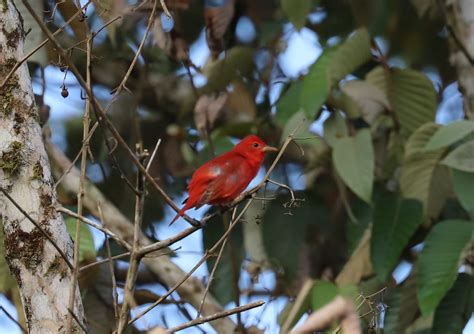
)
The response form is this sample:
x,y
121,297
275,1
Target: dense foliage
x,y
384,193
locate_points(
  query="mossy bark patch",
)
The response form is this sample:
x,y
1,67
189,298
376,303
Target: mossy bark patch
x,y
6,92
37,171
26,247
11,159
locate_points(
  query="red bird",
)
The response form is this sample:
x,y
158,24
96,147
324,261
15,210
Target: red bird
x,y
222,179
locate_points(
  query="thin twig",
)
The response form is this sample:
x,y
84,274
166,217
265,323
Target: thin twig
x,y
152,157
80,193
76,319
115,257
134,257
38,226
12,318
32,52
102,112
219,315
165,9
96,226
200,262
112,276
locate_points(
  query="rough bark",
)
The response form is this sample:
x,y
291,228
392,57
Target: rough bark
x,y
192,290
460,22
42,274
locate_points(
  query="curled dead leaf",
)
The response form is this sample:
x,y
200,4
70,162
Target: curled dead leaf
x,y
217,15
170,42
371,100
207,111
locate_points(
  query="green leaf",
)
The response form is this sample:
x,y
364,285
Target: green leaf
x,y
403,307
335,128
418,140
297,11
395,221
289,103
87,248
238,63
332,66
322,293
456,308
316,85
350,55
463,183
420,175
462,158
411,93
300,122
222,286
439,261
450,134
353,158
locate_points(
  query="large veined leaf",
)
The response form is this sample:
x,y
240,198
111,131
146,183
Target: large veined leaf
x,y
297,11
316,85
332,66
411,93
419,170
439,261
351,54
87,248
418,140
353,158
403,307
462,158
395,221
456,308
463,183
450,134
289,103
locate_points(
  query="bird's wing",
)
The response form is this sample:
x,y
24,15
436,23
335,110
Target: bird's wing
x,y
218,180
235,178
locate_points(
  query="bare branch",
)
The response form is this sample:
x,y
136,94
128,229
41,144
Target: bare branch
x,y
223,314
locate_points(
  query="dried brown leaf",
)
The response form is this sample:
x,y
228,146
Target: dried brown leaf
x,y
217,21
207,110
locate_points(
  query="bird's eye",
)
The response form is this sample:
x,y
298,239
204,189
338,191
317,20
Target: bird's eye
x,y
256,144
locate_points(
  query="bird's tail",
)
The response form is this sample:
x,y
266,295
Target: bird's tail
x,y
179,214
187,205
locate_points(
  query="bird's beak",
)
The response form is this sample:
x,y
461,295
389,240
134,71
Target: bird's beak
x,y
269,149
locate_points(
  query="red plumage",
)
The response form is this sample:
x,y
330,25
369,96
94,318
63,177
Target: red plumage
x,y
222,179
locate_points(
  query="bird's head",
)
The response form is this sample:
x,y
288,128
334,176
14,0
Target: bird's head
x,y
253,148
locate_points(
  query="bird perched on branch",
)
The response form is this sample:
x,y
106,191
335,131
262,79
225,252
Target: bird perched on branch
x,y
222,179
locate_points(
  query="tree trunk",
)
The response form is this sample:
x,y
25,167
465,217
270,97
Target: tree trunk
x,y
39,254
460,22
